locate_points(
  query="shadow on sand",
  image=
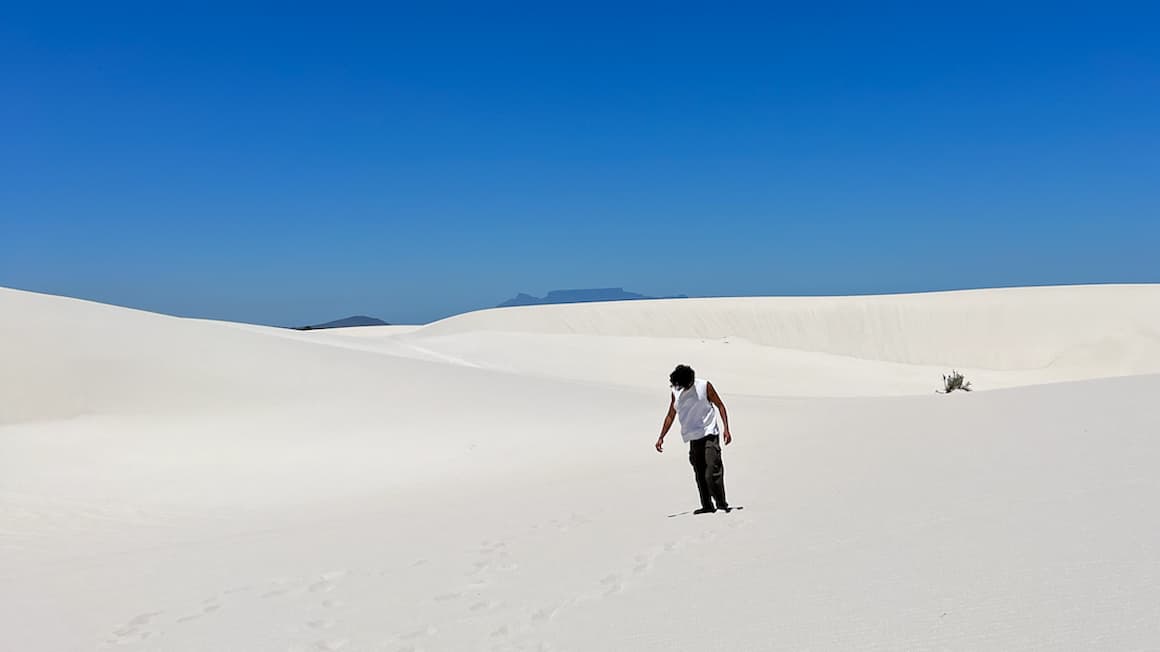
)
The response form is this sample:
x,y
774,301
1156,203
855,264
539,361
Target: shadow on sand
x,y
723,511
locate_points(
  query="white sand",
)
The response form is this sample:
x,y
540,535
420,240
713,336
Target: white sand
x,y
488,482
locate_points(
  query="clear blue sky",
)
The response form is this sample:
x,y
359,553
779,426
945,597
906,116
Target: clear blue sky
x,y
284,165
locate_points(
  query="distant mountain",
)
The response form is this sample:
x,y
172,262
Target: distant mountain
x,y
578,296
357,320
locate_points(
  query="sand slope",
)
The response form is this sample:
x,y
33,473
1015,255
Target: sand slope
x,y
830,346
487,482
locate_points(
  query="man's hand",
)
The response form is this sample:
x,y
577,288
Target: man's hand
x,y
728,437
660,445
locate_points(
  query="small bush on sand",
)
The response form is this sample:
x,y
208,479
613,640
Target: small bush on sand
x,y
954,381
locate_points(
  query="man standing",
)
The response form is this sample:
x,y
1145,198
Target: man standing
x,y
697,405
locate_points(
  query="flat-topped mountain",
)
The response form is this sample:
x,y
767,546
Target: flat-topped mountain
x,y
578,296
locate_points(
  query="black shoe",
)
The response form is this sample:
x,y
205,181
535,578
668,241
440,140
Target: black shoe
x,y
726,509
705,510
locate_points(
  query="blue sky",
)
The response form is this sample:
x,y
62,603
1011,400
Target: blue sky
x,y
285,165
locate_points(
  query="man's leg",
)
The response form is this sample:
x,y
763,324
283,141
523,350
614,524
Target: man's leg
x,y
697,459
715,472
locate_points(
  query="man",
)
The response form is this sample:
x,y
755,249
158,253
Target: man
x,y
697,405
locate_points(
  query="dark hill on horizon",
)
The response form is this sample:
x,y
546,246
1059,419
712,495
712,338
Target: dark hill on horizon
x,y
578,296
346,322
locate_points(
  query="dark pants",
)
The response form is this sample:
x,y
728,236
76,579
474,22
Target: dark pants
x,y
705,456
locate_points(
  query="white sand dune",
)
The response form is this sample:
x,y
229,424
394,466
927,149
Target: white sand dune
x,y
827,346
487,482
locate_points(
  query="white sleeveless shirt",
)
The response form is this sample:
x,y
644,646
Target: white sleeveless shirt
x,y
697,415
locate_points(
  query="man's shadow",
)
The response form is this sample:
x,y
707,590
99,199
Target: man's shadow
x,y
731,509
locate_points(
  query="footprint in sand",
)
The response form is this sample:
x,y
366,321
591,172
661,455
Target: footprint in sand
x,y
208,606
410,640
206,609
487,545
280,587
565,525
326,582
644,563
612,584
530,646
485,605
429,630
331,645
544,614
132,630
494,557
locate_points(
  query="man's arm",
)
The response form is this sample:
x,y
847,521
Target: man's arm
x,y
715,399
668,424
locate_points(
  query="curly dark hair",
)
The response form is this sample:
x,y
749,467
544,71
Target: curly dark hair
x,y
682,376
